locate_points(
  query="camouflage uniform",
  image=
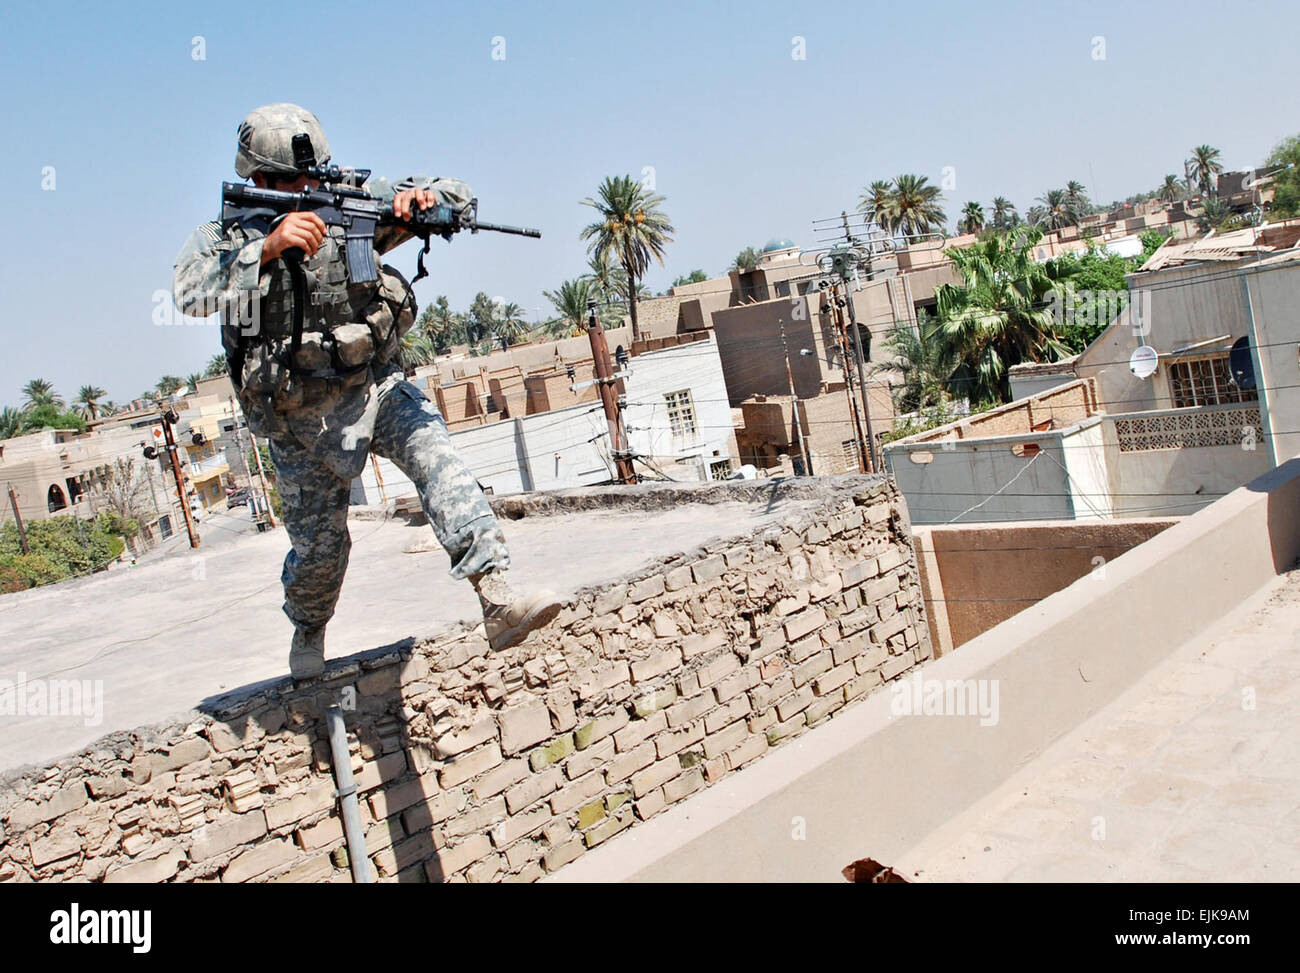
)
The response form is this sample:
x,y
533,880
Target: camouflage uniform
x,y
321,432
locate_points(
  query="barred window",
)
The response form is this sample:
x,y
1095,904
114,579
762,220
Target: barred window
x,y
850,450
1205,381
681,414
720,470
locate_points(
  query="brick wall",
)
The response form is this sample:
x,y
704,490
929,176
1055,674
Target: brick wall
x,y
477,766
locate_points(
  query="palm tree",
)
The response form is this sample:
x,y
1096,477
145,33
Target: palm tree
x,y
1055,211
414,350
912,207
442,326
1216,215
88,401
570,301
998,316
972,218
39,392
192,381
481,324
924,359
1204,166
167,386
609,282
1076,200
1004,213
511,322
216,366
11,420
632,228
875,200
1171,190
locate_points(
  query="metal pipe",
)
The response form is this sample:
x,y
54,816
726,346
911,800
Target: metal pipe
x,y
347,795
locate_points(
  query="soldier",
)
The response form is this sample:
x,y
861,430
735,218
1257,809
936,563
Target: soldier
x,y
333,394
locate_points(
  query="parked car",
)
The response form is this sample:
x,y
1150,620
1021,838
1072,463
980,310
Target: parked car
x,y
238,499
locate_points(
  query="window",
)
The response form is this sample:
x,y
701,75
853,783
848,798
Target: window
x,y
1205,381
720,470
850,450
681,414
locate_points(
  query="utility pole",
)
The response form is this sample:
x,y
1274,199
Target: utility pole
x,y
173,450
18,519
794,404
834,303
261,475
862,379
605,382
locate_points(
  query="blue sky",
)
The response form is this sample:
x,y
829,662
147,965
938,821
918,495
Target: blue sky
x,y
746,142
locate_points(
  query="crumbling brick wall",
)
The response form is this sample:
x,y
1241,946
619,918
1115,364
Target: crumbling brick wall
x,y
478,766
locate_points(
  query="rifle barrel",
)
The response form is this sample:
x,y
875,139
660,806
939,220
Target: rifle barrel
x,y
502,228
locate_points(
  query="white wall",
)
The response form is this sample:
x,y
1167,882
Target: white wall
x,y
570,447
1085,461
697,367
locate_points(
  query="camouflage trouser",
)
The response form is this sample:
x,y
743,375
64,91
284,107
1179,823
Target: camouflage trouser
x,y
409,431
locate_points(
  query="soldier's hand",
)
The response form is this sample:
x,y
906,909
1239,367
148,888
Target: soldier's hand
x,y
302,230
424,198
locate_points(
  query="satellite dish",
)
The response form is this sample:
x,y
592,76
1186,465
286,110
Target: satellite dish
x,y
1143,361
1241,365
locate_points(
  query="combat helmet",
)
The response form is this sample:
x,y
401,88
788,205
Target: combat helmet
x,y
281,138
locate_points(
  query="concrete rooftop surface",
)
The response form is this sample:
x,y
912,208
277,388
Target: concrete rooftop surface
x,y
165,635
1192,775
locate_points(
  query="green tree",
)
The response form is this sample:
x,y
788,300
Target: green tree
x,y
972,218
924,359
608,281
216,366
168,385
746,260
1171,190
481,322
1004,213
442,326
1204,166
570,302
1054,210
39,392
1216,215
1076,199
694,277
88,400
912,207
192,381
414,350
50,417
998,316
11,421
1286,182
632,228
512,322
875,200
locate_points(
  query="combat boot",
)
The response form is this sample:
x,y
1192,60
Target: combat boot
x,y
509,615
307,654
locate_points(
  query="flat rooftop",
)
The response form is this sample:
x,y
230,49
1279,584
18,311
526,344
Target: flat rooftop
x,y
1192,775
168,634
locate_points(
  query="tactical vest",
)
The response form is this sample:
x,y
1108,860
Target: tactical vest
x,y
309,338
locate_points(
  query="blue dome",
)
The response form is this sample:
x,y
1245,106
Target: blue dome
x,y
777,243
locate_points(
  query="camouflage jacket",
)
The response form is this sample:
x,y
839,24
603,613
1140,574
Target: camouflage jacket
x,y
222,271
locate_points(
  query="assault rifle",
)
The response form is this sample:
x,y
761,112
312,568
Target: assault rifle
x,y
341,201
